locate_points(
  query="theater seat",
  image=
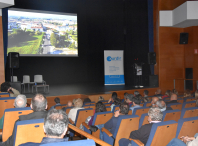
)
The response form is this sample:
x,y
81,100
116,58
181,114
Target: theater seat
x,y
189,112
90,106
143,120
10,116
125,125
28,131
108,108
161,134
115,108
6,103
188,104
147,104
4,95
171,115
189,99
88,103
175,106
58,107
89,142
140,111
180,100
67,109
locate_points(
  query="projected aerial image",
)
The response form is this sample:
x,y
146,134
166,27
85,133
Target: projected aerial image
x,y
42,33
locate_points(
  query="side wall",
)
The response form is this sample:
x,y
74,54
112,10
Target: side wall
x,y
2,68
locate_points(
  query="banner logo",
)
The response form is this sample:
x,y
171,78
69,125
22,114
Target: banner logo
x,y
109,58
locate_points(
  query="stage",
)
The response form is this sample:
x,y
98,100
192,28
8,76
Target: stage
x,y
89,88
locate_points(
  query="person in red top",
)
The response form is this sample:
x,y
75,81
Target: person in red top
x,y
167,94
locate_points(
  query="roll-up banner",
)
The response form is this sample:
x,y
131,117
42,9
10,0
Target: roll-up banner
x,y
114,67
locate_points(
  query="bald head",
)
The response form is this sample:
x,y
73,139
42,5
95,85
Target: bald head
x,y
154,100
173,97
160,104
20,101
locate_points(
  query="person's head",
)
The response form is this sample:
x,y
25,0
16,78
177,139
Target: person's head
x,y
196,94
57,100
20,101
173,97
38,103
174,91
78,103
145,99
168,92
187,93
196,101
114,96
100,98
136,101
69,104
129,98
5,86
124,108
154,114
154,100
125,95
161,105
145,93
100,107
139,96
136,93
56,123
158,91
73,101
86,100
117,101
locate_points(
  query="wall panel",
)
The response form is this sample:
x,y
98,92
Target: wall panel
x,y
2,68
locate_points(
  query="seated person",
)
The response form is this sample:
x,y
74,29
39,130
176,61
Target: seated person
x,y
100,98
187,93
69,104
142,134
154,100
113,97
145,93
6,88
162,105
57,101
55,128
167,94
86,100
125,95
136,93
19,102
136,103
77,105
39,106
129,99
173,99
117,101
174,91
185,141
111,124
158,93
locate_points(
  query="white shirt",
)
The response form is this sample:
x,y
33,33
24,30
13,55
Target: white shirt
x,y
73,112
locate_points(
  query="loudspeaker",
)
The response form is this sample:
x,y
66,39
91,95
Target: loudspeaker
x,y
183,38
151,58
153,81
13,58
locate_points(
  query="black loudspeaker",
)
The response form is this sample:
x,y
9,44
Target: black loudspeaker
x,y
183,38
153,81
151,58
13,58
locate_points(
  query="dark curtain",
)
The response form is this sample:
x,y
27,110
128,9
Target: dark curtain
x,y
5,31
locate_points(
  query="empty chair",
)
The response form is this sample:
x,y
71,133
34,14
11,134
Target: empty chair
x,y
6,102
175,106
28,131
189,104
171,115
15,79
189,112
125,125
187,126
4,95
26,80
10,116
143,120
89,142
39,79
156,138
140,111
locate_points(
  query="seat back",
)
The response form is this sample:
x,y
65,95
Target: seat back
x,y
58,107
15,79
147,104
180,100
67,109
28,131
156,137
107,104
88,103
90,106
6,103
189,99
123,129
140,111
26,79
143,120
189,112
175,106
171,115
108,108
10,116
89,142
82,115
4,95
38,78
187,126
115,108
189,104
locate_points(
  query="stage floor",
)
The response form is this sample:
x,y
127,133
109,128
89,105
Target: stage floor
x,y
81,88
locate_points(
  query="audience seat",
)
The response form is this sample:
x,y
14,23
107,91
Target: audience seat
x,y
140,111
58,107
125,125
6,103
107,104
108,108
89,106
156,138
67,109
10,116
187,126
88,103
180,100
89,142
143,120
147,104
104,101
171,115
28,131
188,104
4,95
175,106
115,108
189,112
189,99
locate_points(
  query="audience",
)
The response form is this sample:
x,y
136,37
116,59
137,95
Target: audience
x,y
129,99
125,95
173,99
6,88
86,100
158,93
174,91
117,101
167,94
113,97
145,93
154,100
187,93
136,103
162,105
69,104
100,98
142,134
77,105
39,106
57,101
136,93
55,128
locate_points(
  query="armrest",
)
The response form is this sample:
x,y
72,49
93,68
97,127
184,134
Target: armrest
x,y
107,132
72,122
86,126
138,142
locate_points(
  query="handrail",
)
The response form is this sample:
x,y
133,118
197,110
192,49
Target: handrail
x,y
98,141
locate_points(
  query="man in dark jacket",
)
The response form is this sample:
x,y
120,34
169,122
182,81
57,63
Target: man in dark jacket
x,y
142,134
39,106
